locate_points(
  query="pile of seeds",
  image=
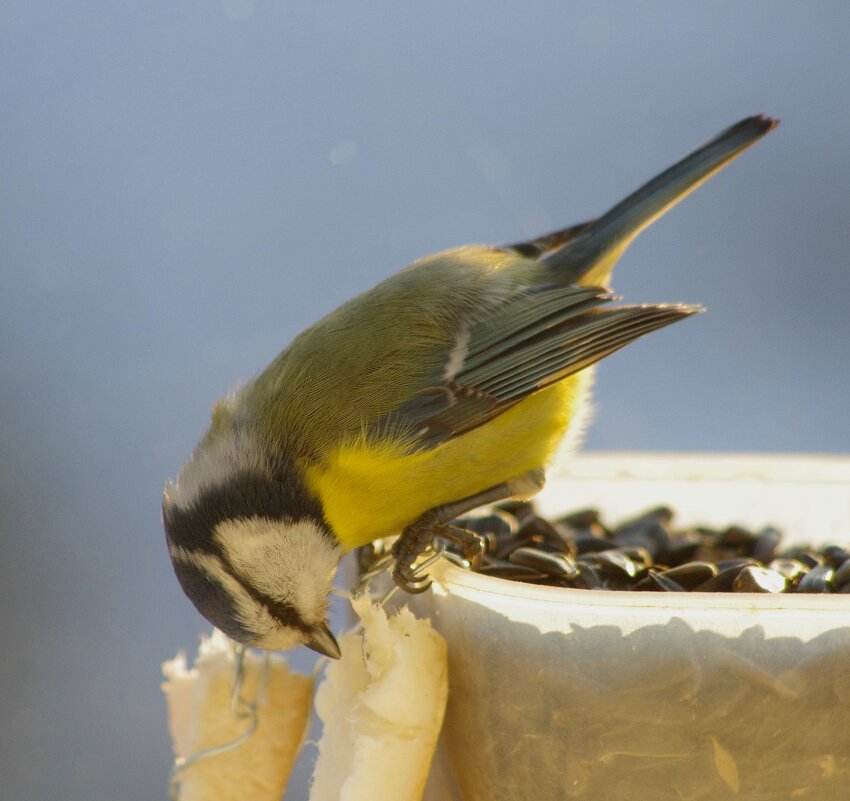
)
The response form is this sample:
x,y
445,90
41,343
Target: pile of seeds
x,y
649,553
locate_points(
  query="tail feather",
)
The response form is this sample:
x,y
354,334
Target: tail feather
x,y
589,257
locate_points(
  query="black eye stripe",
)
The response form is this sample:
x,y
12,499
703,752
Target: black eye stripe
x,y
281,611
214,601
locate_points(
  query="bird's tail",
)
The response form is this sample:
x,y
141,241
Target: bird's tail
x,y
589,257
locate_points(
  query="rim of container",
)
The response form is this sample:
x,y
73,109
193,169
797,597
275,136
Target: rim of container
x,y
720,466
450,578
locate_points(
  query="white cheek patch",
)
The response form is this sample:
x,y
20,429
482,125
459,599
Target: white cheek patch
x,y
290,562
212,465
251,616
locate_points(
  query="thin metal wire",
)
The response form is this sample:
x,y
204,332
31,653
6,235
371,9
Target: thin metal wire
x,y
435,552
378,566
240,708
438,550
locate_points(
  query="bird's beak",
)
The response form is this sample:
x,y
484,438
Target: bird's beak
x,y
324,642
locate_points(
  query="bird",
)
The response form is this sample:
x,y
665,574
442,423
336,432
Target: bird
x,y
449,385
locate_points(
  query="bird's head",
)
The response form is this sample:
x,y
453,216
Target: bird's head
x,y
251,549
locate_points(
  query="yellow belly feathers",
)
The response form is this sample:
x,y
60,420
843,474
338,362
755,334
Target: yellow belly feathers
x,y
371,490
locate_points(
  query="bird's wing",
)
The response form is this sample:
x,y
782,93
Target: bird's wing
x,y
535,337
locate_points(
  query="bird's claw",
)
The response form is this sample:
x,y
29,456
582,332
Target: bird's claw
x,y
414,541
472,546
406,579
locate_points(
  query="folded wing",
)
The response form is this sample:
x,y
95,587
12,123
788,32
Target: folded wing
x,y
526,343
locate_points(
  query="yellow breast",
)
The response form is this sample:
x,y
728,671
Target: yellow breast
x,y
371,490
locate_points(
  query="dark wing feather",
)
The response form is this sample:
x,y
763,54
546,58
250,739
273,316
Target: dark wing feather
x,y
536,337
541,246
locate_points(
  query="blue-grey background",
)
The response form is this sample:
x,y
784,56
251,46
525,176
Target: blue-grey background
x,y
186,185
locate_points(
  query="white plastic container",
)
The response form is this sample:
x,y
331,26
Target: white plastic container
x,y
613,696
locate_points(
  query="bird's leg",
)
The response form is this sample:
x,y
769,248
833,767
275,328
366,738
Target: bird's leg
x,y
413,541
419,535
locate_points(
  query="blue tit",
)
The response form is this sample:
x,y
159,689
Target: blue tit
x,y
449,385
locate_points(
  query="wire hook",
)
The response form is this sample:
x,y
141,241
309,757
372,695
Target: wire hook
x,y
240,708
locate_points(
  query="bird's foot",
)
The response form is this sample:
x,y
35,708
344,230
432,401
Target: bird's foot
x,y
418,537
413,542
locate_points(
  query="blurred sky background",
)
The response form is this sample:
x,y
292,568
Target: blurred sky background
x,y
184,186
